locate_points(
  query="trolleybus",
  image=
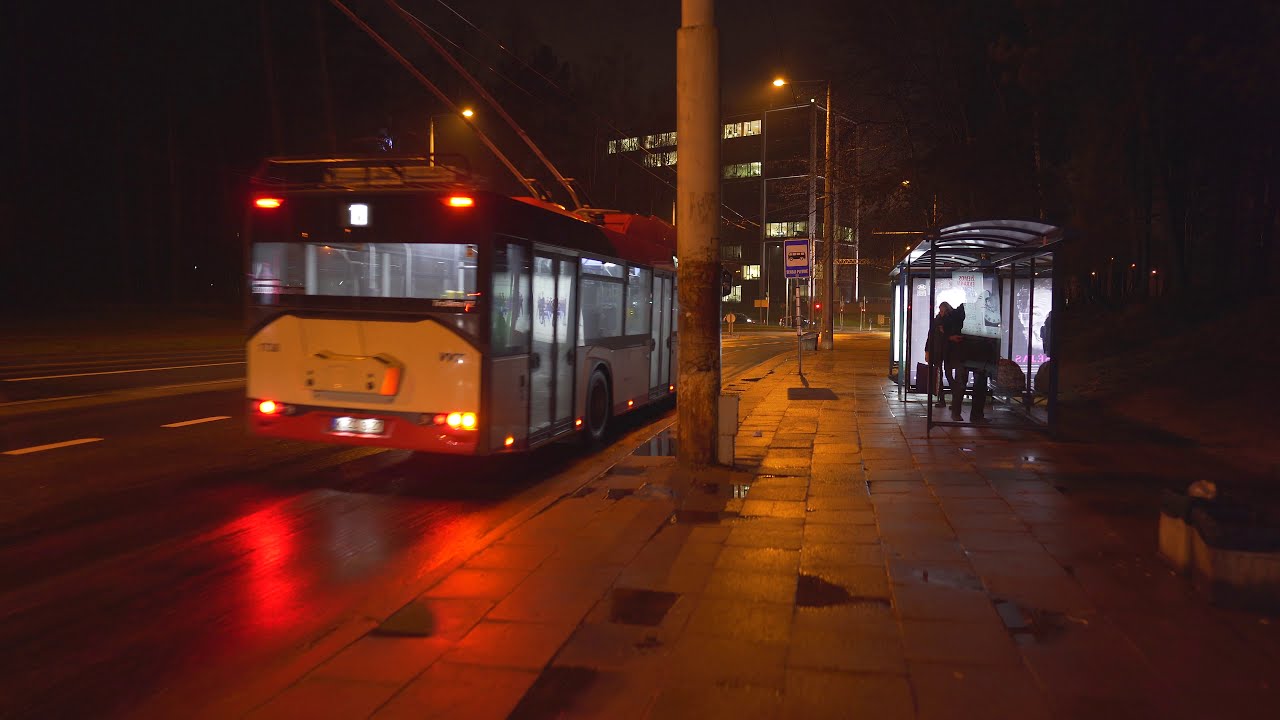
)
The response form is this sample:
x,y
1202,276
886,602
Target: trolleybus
x,y
393,303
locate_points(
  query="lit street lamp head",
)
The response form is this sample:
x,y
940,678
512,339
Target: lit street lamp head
x,y
779,82
468,112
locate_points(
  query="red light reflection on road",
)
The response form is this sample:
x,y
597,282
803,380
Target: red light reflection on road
x,y
271,585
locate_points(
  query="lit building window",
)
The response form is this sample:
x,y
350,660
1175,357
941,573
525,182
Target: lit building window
x,y
787,229
660,140
628,144
750,272
742,170
730,252
735,295
741,129
662,159
613,146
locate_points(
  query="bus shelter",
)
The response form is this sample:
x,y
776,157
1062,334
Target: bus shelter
x,y
1003,272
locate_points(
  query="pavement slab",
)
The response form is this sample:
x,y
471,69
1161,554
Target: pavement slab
x,y
856,564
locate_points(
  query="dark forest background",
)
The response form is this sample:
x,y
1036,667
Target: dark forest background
x,y
1148,129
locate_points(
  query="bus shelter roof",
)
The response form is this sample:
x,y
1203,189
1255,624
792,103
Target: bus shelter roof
x,y
981,243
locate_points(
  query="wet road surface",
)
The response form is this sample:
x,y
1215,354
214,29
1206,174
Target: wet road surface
x,y
171,552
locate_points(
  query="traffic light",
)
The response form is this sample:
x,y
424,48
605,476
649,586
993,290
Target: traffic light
x,y
726,282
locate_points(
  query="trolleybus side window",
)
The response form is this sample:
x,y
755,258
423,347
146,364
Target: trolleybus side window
x,y
510,321
602,300
639,301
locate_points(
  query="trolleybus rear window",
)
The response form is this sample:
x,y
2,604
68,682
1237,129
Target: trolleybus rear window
x,y
433,271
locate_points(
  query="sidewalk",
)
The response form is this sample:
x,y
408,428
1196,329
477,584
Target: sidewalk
x,y
848,567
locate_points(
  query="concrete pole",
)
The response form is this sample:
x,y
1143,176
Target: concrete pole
x,y
828,240
698,232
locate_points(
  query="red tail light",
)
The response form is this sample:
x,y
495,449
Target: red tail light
x,y
268,203
268,407
460,201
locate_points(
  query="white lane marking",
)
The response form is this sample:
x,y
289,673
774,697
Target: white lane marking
x,y
185,423
41,400
51,446
121,372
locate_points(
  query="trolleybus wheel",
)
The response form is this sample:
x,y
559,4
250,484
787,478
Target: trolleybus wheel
x,y
598,408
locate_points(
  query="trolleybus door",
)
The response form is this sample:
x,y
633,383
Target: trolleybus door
x,y
550,368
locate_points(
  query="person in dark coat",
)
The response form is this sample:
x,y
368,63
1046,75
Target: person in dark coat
x,y
965,354
935,350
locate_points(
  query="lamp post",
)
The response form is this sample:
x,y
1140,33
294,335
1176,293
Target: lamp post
x,y
828,291
431,133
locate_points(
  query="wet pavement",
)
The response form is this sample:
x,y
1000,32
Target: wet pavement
x,y
849,565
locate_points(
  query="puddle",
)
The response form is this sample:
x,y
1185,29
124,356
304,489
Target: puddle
x,y
619,493
554,692
813,591
629,606
1030,626
945,577
626,470
811,394
661,445
699,517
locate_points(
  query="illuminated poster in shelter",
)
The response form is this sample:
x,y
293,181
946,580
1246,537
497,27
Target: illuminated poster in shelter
x,y
1027,314
981,303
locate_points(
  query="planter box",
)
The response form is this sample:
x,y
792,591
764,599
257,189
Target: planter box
x,y
1175,542
1234,561
1238,578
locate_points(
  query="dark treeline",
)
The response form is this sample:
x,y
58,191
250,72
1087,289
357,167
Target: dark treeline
x,y
1146,127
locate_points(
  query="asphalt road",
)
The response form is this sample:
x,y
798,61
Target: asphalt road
x,y
150,547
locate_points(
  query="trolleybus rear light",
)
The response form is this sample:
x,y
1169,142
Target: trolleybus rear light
x,y
509,441
460,201
461,420
631,403
270,407
577,423
268,203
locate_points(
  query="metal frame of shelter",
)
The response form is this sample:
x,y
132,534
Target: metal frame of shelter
x,y
1009,250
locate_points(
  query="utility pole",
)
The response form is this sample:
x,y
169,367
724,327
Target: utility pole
x,y
828,239
698,231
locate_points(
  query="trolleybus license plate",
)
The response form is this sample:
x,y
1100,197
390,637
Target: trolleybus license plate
x,y
360,426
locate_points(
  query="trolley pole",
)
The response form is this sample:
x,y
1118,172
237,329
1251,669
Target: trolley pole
x,y
698,232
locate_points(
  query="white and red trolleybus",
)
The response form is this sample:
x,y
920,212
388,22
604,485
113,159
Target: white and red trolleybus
x,y
393,304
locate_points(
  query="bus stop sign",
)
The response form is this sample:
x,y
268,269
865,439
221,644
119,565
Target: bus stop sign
x,y
796,257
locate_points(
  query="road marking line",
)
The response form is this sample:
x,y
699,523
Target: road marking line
x,y
121,372
185,423
51,446
41,400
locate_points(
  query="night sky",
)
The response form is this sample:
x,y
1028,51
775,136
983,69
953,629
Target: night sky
x,y
130,128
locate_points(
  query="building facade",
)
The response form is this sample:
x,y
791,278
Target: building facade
x,y
771,190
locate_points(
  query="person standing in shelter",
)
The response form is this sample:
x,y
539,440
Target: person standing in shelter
x,y
969,353
935,350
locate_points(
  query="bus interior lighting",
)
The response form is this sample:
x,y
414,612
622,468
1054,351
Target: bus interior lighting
x,y
460,201
268,203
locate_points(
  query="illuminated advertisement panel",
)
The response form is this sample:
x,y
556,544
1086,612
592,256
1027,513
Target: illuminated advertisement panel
x,y
1027,311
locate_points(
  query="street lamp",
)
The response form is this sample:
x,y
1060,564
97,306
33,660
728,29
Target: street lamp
x,y
431,133
828,231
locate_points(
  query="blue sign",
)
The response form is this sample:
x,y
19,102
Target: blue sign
x,y
795,257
